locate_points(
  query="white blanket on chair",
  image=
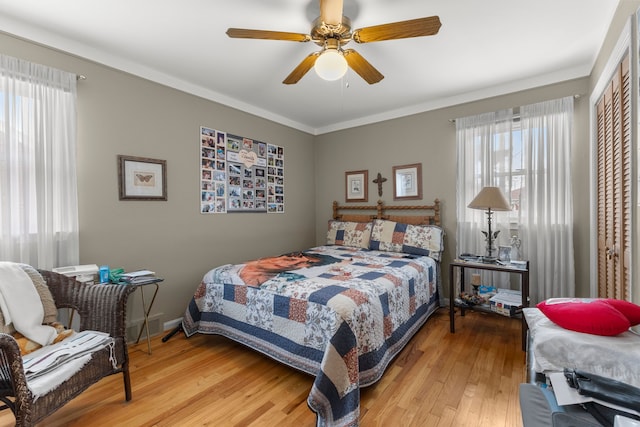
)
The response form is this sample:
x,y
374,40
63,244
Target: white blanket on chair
x,y
22,304
50,366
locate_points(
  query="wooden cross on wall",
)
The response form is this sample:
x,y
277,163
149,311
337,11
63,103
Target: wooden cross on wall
x,y
379,180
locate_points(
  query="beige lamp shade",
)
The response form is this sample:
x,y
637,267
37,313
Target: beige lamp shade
x,y
490,198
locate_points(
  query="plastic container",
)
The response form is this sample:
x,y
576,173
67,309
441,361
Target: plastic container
x,y
104,274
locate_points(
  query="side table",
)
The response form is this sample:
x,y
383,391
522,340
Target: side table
x,y
509,268
146,309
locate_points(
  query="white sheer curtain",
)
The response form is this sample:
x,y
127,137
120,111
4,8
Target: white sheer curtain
x,y
484,148
547,197
38,189
530,161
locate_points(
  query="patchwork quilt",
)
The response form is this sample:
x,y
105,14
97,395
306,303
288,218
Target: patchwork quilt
x,y
338,313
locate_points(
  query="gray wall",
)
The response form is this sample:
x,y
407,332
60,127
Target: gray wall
x,y
430,138
122,114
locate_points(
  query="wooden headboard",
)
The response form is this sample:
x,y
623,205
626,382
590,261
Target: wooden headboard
x,y
380,211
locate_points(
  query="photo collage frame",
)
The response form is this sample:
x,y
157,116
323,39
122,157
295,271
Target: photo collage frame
x,y
239,174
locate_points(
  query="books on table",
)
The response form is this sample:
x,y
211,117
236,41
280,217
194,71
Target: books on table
x,y
506,302
138,276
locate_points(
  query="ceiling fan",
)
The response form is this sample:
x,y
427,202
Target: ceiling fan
x,y
332,30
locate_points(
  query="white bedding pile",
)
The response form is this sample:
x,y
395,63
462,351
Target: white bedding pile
x,y
556,348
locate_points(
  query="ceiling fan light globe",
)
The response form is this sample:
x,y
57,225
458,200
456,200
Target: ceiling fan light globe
x,y
331,65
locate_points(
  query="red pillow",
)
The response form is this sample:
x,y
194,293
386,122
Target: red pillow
x,y
591,316
628,309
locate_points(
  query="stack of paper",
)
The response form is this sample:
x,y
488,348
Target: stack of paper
x,y
139,276
77,270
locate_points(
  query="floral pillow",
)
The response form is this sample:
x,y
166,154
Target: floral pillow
x,y
346,233
411,239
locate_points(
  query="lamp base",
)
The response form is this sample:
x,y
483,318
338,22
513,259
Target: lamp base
x,y
489,259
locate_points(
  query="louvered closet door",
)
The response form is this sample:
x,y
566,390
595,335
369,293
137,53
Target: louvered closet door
x,y
614,186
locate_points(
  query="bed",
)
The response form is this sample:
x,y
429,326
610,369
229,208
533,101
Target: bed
x,y
552,348
341,311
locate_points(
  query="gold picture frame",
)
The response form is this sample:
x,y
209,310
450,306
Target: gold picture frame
x,y
142,178
407,182
357,186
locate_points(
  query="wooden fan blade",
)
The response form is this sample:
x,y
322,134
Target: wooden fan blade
x,y
331,12
241,33
302,69
398,30
362,67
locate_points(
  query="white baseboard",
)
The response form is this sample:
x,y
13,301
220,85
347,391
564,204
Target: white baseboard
x,y
135,328
171,324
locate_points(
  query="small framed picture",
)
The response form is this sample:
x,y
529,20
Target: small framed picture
x,y
356,186
141,178
504,253
407,182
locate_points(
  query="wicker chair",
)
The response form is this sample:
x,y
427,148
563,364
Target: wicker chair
x,y
101,308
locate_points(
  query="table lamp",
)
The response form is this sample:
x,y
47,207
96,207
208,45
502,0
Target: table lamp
x,y
491,199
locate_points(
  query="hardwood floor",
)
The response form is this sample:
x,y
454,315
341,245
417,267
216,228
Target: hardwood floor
x,y
469,378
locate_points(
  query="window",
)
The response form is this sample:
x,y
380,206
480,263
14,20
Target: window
x,y
529,159
38,192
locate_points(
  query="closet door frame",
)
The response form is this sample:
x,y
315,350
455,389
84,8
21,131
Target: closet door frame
x,y
627,45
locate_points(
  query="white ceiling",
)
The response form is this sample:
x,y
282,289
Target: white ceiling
x,y
484,48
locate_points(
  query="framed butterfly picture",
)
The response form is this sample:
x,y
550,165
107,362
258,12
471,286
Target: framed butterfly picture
x,y
141,178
